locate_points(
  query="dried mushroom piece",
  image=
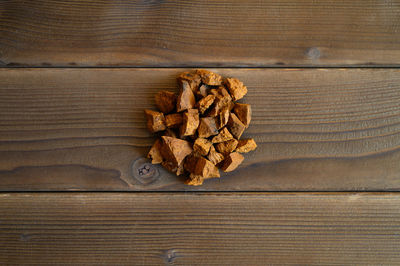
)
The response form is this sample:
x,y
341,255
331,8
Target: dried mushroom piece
x,y
222,101
206,169
226,147
165,101
236,88
186,99
207,127
155,153
210,124
192,79
202,146
205,102
223,135
155,121
246,145
175,150
190,122
243,112
194,180
235,126
173,120
223,117
209,78
214,156
203,90
231,162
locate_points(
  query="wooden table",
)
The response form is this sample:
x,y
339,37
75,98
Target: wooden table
x,y
324,84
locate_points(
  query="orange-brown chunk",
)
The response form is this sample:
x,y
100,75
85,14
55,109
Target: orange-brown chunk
x,y
175,150
209,78
232,161
246,145
207,127
206,169
202,146
222,101
235,126
190,122
227,147
194,180
186,99
223,117
205,103
236,88
203,90
155,153
155,121
223,135
170,166
214,156
192,78
165,101
243,112
173,120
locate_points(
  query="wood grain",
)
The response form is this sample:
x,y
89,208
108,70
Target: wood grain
x,y
84,129
199,229
226,33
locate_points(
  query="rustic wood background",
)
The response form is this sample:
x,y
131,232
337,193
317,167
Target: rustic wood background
x,y
322,187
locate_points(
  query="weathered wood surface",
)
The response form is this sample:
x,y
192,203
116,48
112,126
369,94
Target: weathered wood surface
x,y
200,229
84,129
226,33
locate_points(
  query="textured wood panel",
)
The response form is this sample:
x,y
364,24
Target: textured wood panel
x,y
199,33
317,130
199,229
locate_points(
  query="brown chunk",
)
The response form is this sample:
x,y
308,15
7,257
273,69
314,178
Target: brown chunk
x,y
207,127
173,120
186,98
190,162
194,180
209,78
243,112
205,102
223,117
176,169
175,150
190,122
227,147
214,156
192,78
235,126
236,88
223,135
166,101
155,153
222,101
231,162
246,145
202,146
203,90
206,169
155,121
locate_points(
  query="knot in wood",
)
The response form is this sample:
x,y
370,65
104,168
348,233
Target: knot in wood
x,y
144,172
313,53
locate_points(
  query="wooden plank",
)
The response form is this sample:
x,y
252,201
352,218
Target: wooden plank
x,y
199,33
199,229
84,129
